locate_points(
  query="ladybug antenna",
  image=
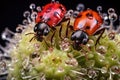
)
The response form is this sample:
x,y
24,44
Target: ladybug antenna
x,y
32,37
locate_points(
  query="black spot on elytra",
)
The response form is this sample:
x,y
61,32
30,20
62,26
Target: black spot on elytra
x,y
80,15
87,27
89,15
61,8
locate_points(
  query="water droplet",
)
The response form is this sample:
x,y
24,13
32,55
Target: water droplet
x,y
90,43
92,74
32,6
25,22
3,67
83,70
52,1
75,14
72,62
102,78
115,69
111,35
19,29
57,1
99,8
105,16
33,15
113,17
103,70
80,7
37,46
101,49
67,78
26,14
101,58
65,45
43,77
12,78
69,13
110,77
90,63
111,10
38,8
60,69
7,34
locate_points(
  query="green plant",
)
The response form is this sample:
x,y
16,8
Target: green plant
x,y
35,60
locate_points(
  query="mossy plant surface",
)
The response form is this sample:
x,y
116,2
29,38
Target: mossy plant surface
x,y
58,60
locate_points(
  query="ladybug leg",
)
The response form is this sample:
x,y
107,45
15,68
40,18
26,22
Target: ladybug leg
x,y
60,30
46,43
68,24
54,29
101,33
29,33
32,37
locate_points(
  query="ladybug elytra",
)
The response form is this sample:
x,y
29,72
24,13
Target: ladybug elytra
x,y
87,23
50,16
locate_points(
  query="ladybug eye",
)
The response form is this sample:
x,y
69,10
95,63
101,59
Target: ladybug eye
x,y
85,41
35,28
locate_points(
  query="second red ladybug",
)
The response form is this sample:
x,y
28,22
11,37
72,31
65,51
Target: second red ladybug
x,y
50,16
86,24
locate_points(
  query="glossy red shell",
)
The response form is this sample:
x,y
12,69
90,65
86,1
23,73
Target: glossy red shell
x,y
51,14
89,21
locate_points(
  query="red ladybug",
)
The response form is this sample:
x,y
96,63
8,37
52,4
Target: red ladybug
x,y
86,24
50,16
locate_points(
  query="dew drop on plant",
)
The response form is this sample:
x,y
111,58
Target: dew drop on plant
x,y
92,74
99,8
25,22
33,15
38,8
113,17
102,49
111,10
83,70
90,63
80,7
32,6
115,69
105,16
7,35
19,29
26,14
103,70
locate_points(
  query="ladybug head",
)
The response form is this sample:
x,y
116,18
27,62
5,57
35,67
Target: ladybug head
x,y
41,29
80,37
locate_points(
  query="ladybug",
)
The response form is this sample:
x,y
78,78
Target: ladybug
x,y
50,16
87,23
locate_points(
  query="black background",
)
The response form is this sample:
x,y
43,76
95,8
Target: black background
x,y
11,12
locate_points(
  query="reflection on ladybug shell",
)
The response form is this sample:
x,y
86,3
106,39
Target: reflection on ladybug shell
x,y
51,14
88,21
